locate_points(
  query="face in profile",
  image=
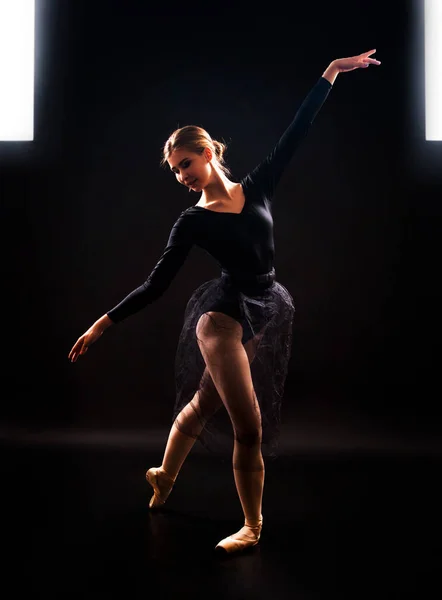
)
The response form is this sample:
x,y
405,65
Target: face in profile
x,y
191,169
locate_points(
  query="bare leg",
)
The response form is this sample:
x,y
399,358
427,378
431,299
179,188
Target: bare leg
x,y
219,337
184,432
189,424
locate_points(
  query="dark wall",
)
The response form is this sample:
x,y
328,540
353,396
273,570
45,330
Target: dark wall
x,y
86,208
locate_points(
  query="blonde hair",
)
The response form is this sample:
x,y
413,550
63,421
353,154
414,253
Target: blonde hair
x,y
195,139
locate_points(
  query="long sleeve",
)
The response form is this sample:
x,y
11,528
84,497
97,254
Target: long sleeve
x,y
268,173
178,246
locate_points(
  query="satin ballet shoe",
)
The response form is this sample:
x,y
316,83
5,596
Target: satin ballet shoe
x,y
247,537
162,485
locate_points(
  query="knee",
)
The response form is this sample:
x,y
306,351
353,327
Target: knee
x,y
250,436
208,400
247,454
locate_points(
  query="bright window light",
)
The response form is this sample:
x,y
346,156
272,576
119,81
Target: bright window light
x,y
17,34
433,70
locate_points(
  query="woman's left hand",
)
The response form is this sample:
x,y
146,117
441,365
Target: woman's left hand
x,y
361,61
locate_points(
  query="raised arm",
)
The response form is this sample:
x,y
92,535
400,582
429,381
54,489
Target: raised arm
x,y
268,173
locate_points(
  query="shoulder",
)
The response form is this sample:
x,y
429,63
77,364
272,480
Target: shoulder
x,y
185,222
185,214
188,215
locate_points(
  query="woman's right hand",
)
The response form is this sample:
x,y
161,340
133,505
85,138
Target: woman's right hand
x,y
88,338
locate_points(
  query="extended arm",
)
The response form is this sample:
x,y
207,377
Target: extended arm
x,y
172,258
268,173
170,262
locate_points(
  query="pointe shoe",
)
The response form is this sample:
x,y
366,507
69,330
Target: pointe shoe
x,y
162,485
247,537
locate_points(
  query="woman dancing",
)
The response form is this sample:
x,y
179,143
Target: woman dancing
x,y
235,343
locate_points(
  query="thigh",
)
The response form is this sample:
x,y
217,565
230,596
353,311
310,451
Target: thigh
x,y
215,327
219,337
207,393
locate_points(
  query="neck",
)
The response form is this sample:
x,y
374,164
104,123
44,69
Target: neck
x,y
220,188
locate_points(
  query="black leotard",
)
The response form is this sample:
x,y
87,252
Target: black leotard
x,y
242,244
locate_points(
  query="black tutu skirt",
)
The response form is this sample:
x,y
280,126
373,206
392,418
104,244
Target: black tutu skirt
x,y
265,310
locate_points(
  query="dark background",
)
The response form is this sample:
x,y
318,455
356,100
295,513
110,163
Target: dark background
x,y
86,208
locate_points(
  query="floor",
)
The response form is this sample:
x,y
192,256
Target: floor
x,y
344,517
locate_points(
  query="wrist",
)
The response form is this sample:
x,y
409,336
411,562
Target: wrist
x,y
331,72
103,323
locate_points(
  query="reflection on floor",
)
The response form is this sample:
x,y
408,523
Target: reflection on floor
x,y
339,521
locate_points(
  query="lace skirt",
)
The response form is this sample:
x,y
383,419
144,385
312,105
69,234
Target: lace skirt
x,y
265,310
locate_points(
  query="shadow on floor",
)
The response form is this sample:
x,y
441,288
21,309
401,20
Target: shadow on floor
x,y
336,523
